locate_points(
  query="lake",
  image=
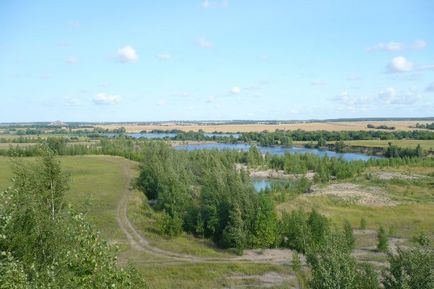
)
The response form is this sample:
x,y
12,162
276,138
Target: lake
x,y
276,150
162,135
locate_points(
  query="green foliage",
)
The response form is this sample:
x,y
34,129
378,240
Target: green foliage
x,y
43,244
410,269
254,157
12,275
265,230
333,267
303,231
296,262
363,224
295,230
170,225
422,239
234,234
202,193
383,241
393,151
348,235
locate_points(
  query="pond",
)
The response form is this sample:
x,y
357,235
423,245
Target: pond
x,y
262,184
276,150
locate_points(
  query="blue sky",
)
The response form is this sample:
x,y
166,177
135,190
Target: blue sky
x,y
210,60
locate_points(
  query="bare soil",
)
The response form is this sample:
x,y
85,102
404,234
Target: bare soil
x,y
371,196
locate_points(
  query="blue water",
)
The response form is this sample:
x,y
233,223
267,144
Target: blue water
x,y
158,135
262,184
152,135
276,150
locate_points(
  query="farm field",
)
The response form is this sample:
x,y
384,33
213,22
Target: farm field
x,y
308,126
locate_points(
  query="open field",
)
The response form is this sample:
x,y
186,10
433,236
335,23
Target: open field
x,y
308,126
405,143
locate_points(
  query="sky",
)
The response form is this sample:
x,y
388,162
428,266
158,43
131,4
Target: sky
x,y
163,60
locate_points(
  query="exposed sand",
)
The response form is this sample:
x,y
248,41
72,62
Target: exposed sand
x,y
273,174
372,196
396,175
266,280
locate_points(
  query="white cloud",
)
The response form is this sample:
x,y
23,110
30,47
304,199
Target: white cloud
x,y
74,23
430,87
345,98
215,4
71,60
104,84
387,46
203,43
317,83
127,54
162,102
425,67
235,90
72,101
210,99
164,56
387,95
353,77
105,99
419,44
400,64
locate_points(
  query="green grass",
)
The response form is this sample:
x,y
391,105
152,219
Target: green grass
x,y
192,276
425,144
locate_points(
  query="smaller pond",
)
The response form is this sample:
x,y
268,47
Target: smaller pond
x,y
262,184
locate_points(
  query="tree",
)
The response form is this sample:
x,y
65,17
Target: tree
x,y
363,224
254,157
265,225
333,267
382,238
234,235
410,269
45,244
348,235
170,225
296,262
319,228
295,230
